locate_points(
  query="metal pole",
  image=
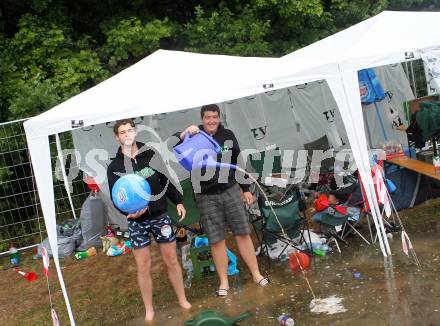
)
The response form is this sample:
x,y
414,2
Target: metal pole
x,y
413,79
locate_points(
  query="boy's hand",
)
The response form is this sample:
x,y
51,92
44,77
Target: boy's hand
x,y
137,214
181,211
248,197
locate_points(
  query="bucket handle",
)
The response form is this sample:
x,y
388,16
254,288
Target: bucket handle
x,y
212,140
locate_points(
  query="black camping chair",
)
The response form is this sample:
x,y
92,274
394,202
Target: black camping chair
x,y
325,168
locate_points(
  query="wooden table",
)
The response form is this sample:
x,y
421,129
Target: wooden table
x,y
415,165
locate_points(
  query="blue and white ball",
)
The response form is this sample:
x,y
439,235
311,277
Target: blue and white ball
x,y
131,193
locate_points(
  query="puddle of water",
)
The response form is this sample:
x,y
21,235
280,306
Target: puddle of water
x,y
371,290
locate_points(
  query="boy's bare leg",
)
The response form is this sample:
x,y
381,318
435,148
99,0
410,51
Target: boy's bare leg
x,y
220,258
169,256
143,262
247,252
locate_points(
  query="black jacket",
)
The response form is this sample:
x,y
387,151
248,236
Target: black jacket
x,y
158,181
223,137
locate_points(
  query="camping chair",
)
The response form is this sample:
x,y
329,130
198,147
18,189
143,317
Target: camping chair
x,y
325,167
192,213
341,220
288,207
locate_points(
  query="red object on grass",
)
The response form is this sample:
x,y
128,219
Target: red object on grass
x,y
31,276
91,184
298,261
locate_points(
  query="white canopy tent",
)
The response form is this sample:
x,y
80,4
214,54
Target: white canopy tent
x,y
196,79
260,122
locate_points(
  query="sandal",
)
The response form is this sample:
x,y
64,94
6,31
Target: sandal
x,y
264,282
221,292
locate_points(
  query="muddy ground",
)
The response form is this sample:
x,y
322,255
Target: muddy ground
x,y
103,290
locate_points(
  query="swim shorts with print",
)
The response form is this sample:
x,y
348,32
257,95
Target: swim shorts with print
x,y
160,227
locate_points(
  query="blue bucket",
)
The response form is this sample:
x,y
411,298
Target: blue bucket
x,y
199,150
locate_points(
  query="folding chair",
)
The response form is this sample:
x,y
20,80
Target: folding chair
x,y
326,167
192,213
342,220
288,208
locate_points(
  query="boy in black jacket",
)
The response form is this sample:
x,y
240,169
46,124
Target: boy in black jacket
x,y
132,157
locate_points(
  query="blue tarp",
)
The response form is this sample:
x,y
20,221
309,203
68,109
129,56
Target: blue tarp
x,y
406,184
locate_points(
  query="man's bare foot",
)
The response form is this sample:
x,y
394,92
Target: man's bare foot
x,y
149,315
185,304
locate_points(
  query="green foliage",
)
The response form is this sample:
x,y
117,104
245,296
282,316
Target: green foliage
x,y
222,31
52,50
131,39
42,66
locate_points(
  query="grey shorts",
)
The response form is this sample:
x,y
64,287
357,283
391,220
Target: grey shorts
x,y
219,210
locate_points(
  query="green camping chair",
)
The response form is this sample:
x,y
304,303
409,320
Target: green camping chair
x,y
192,213
288,208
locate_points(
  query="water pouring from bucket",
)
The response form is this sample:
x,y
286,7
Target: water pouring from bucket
x,y
200,151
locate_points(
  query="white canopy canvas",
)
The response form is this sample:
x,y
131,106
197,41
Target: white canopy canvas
x,y
285,119
196,79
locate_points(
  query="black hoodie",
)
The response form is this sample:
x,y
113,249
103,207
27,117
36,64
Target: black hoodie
x,y
140,165
226,139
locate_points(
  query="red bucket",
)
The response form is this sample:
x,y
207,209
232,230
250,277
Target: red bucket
x,y
298,261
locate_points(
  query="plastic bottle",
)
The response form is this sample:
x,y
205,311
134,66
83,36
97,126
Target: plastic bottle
x,y
286,320
84,254
187,265
319,252
14,256
436,163
189,276
324,247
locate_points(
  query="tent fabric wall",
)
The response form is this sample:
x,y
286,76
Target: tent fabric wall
x,y
285,118
143,89
393,80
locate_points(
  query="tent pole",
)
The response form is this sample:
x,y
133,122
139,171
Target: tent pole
x,y
63,171
369,189
413,79
380,121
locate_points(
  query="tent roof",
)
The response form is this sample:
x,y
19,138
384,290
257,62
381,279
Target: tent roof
x,y
162,82
375,41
